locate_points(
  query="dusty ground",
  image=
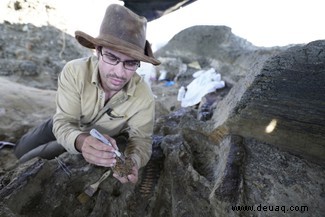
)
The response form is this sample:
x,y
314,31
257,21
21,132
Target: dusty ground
x,y
7,160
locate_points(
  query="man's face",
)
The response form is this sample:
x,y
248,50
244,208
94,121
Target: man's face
x,y
114,77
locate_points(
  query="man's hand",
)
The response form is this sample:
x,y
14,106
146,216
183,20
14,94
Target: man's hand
x,y
133,177
96,152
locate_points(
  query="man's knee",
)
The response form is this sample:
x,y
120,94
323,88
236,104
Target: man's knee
x,y
46,151
38,136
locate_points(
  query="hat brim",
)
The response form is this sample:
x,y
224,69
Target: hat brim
x,y
145,55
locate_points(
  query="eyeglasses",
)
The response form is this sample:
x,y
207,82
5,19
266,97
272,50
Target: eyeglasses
x,y
114,60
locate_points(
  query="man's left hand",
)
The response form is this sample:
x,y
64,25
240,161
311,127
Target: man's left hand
x,y
133,177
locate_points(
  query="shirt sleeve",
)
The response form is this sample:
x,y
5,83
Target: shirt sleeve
x,y
68,109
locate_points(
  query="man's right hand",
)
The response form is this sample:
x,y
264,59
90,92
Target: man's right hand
x,y
96,152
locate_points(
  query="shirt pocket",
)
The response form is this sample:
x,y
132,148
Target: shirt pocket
x,y
114,115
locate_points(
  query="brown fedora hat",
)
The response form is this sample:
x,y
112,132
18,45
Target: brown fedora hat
x,y
123,31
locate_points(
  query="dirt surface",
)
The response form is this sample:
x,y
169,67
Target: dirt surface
x,y
36,55
7,160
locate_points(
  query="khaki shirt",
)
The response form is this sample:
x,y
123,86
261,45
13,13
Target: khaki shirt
x,y
81,106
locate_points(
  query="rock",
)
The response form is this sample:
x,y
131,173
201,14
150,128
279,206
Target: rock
x,y
278,179
217,47
43,186
38,54
288,90
22,108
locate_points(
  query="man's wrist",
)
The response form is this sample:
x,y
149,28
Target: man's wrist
x,y
80,141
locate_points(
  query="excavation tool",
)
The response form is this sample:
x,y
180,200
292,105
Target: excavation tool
x,y
91,189
101,138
